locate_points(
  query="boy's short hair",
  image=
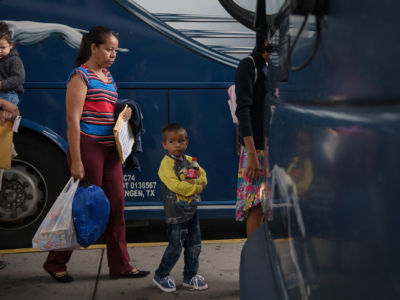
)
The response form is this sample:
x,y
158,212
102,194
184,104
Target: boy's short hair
x,y
5,33
171,127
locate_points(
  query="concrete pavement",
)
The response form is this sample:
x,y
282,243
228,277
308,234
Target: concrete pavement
x,y
24,277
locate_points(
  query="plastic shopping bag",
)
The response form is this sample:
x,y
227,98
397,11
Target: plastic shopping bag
x,y
57,231
232,103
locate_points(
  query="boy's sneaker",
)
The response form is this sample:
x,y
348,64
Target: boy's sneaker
x,y
196,283
166,284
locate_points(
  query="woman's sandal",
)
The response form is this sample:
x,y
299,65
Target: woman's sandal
x,y
61,278
135,273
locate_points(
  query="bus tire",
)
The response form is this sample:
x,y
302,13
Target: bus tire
x,y
30,187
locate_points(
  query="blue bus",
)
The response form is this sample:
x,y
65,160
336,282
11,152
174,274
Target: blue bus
x,y
331,227
176,60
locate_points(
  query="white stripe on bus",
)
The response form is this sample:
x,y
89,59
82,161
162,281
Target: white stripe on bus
x,y
160,207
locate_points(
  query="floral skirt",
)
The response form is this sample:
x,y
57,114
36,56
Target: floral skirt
x,y
248,191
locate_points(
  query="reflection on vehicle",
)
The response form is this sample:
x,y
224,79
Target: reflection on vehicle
x,y
284,214
286,210
300,167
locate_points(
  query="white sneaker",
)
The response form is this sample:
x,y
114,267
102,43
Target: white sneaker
x,y
166,284
196,283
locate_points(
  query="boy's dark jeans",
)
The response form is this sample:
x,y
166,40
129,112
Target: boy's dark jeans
x,y
186,235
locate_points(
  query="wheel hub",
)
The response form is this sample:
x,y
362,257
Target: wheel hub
x,y
21,195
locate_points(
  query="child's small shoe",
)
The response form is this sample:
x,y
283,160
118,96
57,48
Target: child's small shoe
x,y
196,283
166,284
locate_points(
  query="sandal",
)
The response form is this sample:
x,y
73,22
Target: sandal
x,y
3,264
61,278
135,273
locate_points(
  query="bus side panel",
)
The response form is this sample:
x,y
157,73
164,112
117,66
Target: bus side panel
x,y
148,56
206,116
142,186
45,107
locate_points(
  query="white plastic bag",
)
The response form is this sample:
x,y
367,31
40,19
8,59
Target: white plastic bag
x,y
57,231
232,103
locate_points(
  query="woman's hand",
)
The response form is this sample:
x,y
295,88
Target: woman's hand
x,y
127,114
10,107
252,170
77,170
5,116
8,112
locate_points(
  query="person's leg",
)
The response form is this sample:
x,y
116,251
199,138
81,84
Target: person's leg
x,y
117,252
254,219
192,247
176,235
92,159
56,262
14,99
10,96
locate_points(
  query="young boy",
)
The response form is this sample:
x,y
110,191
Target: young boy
x,y
183,225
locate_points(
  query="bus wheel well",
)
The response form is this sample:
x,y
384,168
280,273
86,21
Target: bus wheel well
x,y
30,187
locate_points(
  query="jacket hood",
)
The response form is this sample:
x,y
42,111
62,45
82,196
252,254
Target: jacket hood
x,y
12,53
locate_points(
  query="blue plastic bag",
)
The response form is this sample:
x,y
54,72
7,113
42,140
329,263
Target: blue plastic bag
x,y
90,210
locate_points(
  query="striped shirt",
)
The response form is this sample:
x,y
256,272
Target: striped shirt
x,y
97,120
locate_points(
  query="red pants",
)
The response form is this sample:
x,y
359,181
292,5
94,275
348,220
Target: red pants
x,y
102,168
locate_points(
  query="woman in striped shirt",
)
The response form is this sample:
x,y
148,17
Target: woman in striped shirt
x,y
90,99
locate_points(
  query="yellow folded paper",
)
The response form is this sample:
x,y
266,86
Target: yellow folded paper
x,y
6,139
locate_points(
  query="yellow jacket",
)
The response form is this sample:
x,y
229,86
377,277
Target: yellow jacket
x,y
177,185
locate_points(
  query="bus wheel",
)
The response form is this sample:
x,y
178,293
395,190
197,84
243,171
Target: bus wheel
x,y
29,188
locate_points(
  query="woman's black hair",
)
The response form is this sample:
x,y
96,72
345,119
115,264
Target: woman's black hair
x,y
97,35
5,33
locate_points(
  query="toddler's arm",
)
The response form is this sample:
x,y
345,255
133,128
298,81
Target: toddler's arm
x,y
202,179
169,178
16,75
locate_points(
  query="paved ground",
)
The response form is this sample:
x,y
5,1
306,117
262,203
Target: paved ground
x,y
24,277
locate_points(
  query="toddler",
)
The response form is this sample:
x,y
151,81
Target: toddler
x,y
12,72
183,225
